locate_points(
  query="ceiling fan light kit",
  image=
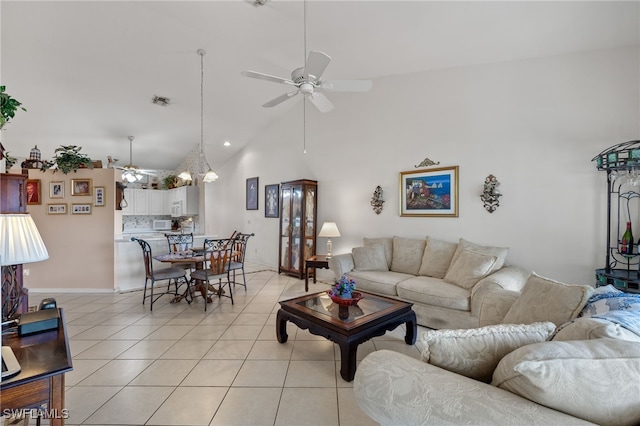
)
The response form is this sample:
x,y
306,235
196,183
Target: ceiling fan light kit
x,y
130,172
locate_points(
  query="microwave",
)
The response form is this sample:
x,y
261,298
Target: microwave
x,y
161,225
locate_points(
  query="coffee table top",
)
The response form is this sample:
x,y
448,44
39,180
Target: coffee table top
x,y
320,307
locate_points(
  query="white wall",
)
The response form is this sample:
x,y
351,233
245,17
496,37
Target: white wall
x,y
534,124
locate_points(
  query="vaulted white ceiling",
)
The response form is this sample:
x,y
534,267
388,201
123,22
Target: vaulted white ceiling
x,y
87,70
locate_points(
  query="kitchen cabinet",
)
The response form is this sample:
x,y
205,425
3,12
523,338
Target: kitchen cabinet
x,y
146,202
298,221
158,204
184,201
140,202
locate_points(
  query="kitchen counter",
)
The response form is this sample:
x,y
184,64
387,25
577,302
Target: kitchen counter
x,y
150,235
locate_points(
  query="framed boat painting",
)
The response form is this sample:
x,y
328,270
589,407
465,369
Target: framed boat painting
x,y
429,192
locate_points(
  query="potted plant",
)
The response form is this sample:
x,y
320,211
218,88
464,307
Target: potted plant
x,y
170,181
68,159
8,107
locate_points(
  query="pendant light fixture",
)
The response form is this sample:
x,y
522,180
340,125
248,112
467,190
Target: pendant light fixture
x,y
204,169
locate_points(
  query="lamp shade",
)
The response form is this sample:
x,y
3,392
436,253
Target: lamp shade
x,y
20,241
329,229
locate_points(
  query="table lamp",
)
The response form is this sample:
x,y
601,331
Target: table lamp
x,y
20,242
329,229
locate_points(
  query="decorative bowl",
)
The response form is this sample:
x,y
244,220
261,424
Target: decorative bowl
x,y
355,298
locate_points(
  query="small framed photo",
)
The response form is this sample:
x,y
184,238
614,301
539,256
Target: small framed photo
x,y
81,187
429,192
34,193
56,189
272,200
98,196
57,208
81,209
252,193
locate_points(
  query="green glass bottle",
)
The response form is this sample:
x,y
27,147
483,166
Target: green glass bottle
x,y
626,243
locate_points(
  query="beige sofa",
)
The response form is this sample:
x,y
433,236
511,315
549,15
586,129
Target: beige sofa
x,y
526,371
446,281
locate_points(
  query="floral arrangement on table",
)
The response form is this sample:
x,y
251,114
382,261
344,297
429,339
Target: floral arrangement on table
x,y
343,287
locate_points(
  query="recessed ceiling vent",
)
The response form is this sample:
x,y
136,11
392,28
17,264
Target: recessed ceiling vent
x,y
160,100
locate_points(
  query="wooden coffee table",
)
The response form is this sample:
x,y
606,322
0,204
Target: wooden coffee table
x,y
373,316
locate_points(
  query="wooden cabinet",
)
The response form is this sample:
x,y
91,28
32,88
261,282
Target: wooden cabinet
x,y
13,197
298,221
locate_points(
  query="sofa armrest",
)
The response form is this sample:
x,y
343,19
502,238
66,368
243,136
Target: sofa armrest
x,y
495,305
510,279
341,264
395,389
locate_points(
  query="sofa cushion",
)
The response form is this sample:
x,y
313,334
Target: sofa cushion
x,y
593,328
382,282
543,299
437,257
369,258
386,242
476,352
434,292
596,380
469,267
499,252
407,255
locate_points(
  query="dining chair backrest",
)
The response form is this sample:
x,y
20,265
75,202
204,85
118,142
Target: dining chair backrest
x,y
217,254
146,255
179,242
240,246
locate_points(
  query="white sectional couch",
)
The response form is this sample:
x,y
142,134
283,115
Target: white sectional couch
x,y
541,366
447,282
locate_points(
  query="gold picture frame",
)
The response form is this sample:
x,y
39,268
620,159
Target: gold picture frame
x,y
98,196
56,189
57,208
34,191
84,208
81,187
429,192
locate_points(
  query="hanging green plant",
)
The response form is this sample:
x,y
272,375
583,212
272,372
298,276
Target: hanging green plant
x,y
9,160
8,107
68,159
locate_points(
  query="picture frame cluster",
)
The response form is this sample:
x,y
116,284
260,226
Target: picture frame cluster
x,y
77,187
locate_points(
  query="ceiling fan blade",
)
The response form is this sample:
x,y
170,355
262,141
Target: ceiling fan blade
x,y
347,85
317,62
280,99
261,76
321,102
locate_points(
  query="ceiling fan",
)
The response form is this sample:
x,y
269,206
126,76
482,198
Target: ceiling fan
x,y
132,173
307,81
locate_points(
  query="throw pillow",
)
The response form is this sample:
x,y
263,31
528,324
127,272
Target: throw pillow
x,y
386,242
543,299
577,378
593,328
499,252
469,268
369,258
407,255
476,352
437,258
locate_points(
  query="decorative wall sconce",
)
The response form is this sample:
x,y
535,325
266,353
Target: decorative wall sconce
x,y
376,200
490,194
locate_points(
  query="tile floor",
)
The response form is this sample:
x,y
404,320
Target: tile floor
x,y
181,366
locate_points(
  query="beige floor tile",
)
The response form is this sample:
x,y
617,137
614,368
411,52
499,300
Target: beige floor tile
x,y
262,374
155,318
251,319
170,332
349,412
242,332
133,405
261,305
116,373
209,332
321,350
230,349
134,332
83,368
340,382
311,374
79,346
213,372
267,349
147,349
363,350
106,349
398,346
81,404
220,318
188,349
308,406
165,372
189,406
73,330
248,406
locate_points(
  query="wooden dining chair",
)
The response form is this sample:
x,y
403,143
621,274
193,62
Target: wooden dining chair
x,y
217,257
172,274
238,256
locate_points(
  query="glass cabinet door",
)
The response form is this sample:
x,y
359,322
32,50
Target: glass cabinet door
x,y
296,231
285,228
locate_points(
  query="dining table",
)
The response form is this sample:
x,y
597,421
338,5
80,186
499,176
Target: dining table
x,y
187,257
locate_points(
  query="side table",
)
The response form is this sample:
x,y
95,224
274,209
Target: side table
x,y
317,261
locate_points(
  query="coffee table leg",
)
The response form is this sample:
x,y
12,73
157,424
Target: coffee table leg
x,y
281,328
348,360
412,330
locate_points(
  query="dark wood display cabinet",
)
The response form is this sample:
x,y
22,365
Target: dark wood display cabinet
x,y
298,222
